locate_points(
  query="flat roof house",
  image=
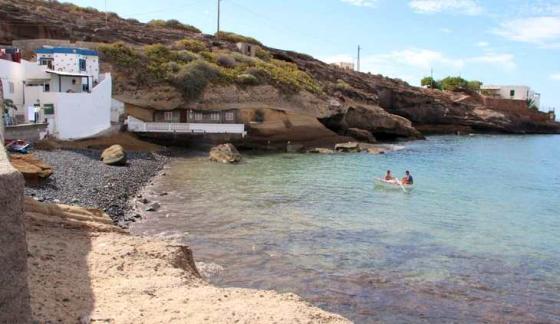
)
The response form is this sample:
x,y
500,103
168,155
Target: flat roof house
x,y
63,89
512,92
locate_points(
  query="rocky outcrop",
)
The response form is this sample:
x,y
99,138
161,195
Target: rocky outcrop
x,y
33,169
114,155
14,292
361,135
350,147
225,153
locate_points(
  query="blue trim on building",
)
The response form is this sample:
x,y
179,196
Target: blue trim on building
x,y
66,50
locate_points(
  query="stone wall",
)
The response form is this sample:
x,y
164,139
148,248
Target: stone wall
x,y
28,132
14,292
507,105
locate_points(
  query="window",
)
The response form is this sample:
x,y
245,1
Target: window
x,y
48,109
197,116
512,93
215,116
230,116
47,87
11,87
82,65
168,116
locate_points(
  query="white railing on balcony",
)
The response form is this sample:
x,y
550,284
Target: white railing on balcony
x,y
137,126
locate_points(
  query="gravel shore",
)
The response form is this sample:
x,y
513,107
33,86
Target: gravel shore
x,y
80,178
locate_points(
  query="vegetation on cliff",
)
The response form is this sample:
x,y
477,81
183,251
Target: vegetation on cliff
x,y
191,65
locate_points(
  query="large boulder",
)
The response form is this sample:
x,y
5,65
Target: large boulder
x,y
114,155
225,153
379,122
361,135
350,147
33,169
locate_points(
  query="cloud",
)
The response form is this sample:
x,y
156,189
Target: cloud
x,y
468,7
361,3
412,64
555,76
543,31
483,44
505,61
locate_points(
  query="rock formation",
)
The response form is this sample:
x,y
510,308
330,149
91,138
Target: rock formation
x,y
33,169
225,153
114,155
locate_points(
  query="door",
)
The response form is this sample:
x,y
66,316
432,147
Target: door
x,y
183,116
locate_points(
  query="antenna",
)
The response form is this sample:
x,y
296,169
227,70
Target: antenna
x,y
219,18
359,50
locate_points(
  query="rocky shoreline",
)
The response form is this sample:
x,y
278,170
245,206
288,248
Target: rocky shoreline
x,y
80,178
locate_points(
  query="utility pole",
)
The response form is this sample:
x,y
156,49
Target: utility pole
x,y
219,17
359,50
431,78
106,15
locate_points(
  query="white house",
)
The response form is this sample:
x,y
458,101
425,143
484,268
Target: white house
x,y
62,88
344,65
514,92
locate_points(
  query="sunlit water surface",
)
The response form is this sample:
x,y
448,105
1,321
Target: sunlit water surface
x,y
477,240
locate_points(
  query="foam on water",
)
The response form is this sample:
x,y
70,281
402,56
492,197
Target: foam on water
x,y
477,240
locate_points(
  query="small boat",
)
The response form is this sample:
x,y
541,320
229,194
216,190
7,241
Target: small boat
x,y
382,183
17,146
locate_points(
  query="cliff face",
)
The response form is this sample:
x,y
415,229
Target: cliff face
x,y
340,100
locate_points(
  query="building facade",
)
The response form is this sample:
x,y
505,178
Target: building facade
x,y
512,92
344,65
62,88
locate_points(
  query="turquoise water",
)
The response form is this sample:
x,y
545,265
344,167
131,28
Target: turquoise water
x,y
477,240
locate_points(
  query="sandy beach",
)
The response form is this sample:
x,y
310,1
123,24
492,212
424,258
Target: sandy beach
x,y
83,269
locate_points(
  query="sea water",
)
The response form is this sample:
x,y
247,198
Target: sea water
x,y
477,240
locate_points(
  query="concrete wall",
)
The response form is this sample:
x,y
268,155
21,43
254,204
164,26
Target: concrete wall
x,y
80,115
28,132
14,291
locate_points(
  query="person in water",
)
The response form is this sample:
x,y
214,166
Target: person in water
x,y
407,179
389,176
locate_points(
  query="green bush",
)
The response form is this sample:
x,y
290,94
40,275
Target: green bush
x,y
193,45
193,78
263,54
173,24
247,79
123,56
226,61
236,38
185,56
342,85
289,78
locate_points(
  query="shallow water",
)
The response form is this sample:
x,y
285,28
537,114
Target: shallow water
x,y
477,240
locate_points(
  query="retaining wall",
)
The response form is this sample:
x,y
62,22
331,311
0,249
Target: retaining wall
x,y
28,132
14,292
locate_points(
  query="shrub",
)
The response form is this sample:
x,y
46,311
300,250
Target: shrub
x,y
247,79
236,38
263,54
185,56
243,59
172,67
193,78
121,55
173,24
453,83
261,74
133,21
288,77
193,45
226,61
342,85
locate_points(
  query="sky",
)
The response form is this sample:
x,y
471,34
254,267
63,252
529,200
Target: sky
x,y
507,42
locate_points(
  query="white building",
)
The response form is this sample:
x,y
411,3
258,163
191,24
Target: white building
x,y
62,88
344,65
513,92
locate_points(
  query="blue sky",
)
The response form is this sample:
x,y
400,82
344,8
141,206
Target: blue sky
x,y
495,41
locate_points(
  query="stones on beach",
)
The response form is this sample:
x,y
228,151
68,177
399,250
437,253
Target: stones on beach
x,y
225,153
350,147
320,150
114,155
153,207
33,169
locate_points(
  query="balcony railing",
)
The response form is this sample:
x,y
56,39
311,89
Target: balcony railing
x,y
137,126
